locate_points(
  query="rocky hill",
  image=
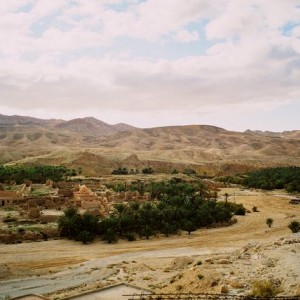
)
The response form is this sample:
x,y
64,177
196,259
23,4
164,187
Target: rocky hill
x,y
98,147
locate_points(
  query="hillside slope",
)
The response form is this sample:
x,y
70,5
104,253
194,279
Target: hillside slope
x,y
98,147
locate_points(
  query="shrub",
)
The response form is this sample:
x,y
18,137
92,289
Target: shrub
x,y
120,171
189,172
240,211
9,219
148,170
110,236
294,226
147,231
21,230
254,209
236,208
200,276
264,288
130,236
85,237
269,221
119,188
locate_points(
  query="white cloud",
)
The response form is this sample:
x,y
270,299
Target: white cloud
x,y
186,36
296,32
62,56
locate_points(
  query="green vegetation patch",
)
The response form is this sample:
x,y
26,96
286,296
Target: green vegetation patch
x,y
177,206
274,178
37,174
268,179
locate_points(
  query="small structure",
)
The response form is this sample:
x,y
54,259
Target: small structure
x,y
84,195
8,198
87,199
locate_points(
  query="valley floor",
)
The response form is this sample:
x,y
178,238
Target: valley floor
x,y
224,259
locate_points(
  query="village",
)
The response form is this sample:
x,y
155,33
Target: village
x,y
40,205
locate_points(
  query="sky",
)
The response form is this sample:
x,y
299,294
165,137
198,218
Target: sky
x,y
228,63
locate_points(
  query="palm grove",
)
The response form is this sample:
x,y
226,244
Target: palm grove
x,y
175,206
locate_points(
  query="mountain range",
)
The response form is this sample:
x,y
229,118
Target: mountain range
x,y
97,147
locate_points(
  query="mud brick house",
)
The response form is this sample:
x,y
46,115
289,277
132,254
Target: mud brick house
x,y
8,198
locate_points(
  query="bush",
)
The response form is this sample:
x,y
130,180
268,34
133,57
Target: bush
x,y
148,170
120,171
235,208
119,188
269,221
130,236
147,231
110,236
294,226
21,231
85,237
254,209
241,211
265,289
9,219
189,172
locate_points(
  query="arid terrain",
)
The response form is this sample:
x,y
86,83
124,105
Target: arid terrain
x,y
215,260
97,148
227,259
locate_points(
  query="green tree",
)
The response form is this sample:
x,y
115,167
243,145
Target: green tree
x,y
226,195
110,236
89,223
107,228
269,222
70,222
222,213
146,231
274,178
120,171
85,236
189,226
149,219
148,170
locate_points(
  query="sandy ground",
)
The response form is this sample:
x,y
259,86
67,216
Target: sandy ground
x,y
207,260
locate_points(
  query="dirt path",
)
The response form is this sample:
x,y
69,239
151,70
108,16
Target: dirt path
x,y
58,264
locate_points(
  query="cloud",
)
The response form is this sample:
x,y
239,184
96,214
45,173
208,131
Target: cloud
x,y
296,31
65,56
186,36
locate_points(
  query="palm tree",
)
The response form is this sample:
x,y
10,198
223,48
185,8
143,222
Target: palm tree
x,y
70,222
120,210
90,222
125,218
189,226
134,208
226,195
269,221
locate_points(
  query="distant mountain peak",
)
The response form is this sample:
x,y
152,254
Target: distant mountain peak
x,y
58,141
